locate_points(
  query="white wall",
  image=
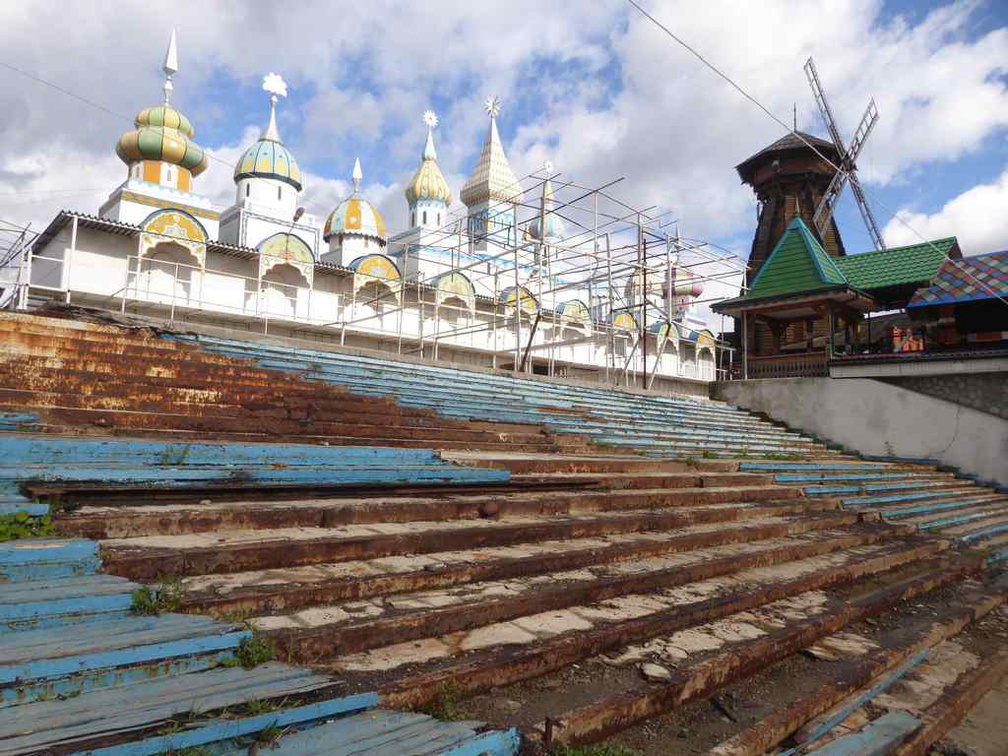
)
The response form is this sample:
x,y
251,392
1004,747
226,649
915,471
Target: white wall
x,y
877,418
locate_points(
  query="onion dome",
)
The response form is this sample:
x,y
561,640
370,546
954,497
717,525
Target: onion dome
x,y
492,179
162,133
355,215
554,223
685,284
267,157
428,183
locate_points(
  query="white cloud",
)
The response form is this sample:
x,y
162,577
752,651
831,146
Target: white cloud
x,y
978,217
602,92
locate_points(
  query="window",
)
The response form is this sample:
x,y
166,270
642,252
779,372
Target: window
x,y
413,218
279,193
247,188
425,217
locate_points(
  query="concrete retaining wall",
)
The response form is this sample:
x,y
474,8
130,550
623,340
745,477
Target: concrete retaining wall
x,y
877,418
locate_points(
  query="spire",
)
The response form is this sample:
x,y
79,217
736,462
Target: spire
x,y
428,183
358,174
277,87
170,67
430,118
554,223
492,178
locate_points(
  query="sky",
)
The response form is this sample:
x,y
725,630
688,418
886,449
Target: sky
x,y
593,87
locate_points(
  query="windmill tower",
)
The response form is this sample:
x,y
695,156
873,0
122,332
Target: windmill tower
x,y
797,176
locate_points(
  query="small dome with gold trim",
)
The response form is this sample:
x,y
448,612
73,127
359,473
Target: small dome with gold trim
x,y
269,159
428,183
162,133
355,215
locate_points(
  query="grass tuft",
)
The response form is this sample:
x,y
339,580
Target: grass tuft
x,y
254,650
166,596
446,706
599,749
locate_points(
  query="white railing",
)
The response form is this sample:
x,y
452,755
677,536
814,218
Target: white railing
x,y
180,289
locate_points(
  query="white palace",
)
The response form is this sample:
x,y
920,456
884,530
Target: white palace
x,y
488,288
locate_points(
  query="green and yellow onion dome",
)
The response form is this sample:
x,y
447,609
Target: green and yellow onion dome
x,y
355,215
162,133
428,183
268,158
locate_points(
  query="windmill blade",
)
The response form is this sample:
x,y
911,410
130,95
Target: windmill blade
x,y
824,211
824,109
866,213
861,133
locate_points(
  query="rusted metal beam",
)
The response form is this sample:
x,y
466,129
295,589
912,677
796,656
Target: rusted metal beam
x,y
147,563
505,666
265,599
797,716
320,643
599,720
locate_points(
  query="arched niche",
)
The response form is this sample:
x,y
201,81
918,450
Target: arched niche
x,y
285,249
526,302
455,288
168,273
371,271
575,314
176,227
705,357
280,289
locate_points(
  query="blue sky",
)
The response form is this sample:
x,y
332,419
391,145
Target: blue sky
x,y
593,87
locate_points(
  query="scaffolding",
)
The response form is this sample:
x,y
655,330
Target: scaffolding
x,y
621,256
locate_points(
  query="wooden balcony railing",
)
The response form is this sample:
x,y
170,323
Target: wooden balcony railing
x,y
800,365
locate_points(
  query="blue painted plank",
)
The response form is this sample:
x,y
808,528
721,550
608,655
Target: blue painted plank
x,y
46,550
497,743
40,571
11,674
109,678
147,702
35,509
985,533
957,520
876,739
344,734
858,701
211,732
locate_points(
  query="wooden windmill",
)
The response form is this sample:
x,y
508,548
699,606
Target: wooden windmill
x,y
847,165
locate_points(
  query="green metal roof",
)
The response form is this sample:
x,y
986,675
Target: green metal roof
x,y
797,264
896,266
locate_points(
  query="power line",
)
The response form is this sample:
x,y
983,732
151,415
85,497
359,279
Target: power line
x,y
92,103
893,213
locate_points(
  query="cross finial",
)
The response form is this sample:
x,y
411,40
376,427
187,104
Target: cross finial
x,y
170,66
358,174
493,105
430,118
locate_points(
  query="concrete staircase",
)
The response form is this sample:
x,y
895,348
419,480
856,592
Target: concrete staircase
x,y
550,545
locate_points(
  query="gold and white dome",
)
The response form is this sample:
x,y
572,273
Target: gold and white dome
x,y
428,183
355,215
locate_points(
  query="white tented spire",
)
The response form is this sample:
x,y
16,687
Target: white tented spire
x,y
358,174
170,67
